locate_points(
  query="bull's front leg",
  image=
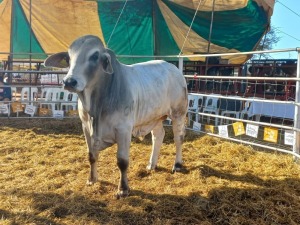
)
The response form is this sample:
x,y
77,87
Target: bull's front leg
x,y
92,157
123,138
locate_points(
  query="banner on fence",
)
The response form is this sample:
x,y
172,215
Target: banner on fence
x,y
44,112
58,114
16,107
252,130
72,113
270,134
4,109
289,137
209,128
49,79
223,130
238,128
30,109
196,126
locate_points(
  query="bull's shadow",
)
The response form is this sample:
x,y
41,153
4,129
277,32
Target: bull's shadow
x,y
150,209
259,204
14,217
207,171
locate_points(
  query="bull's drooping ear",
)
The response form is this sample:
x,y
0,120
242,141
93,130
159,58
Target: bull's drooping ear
x,y
60,60
106,62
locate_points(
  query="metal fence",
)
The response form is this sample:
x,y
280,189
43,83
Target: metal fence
x,y
269,120
245,111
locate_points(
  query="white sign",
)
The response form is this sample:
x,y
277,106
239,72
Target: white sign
x,y
196,126
289,137
223,130
252,130
58,114
30,109
4,109
49,79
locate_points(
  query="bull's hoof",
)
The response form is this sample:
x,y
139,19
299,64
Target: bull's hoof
x,y
151,167
122,194
91,181
177,167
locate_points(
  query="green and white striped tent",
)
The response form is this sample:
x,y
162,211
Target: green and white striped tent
x,y
134,27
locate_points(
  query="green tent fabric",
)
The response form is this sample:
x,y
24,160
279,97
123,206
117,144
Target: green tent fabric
x,y
231,29
134,28
133,35
142,27
23,41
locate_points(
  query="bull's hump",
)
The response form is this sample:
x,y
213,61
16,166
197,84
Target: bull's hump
x,y
151,62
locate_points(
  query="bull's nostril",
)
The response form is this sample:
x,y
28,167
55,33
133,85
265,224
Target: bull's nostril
x,y
70,82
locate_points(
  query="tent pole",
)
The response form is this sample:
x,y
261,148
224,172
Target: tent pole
x,y
11,56
209,36
30,36
30,50
153,28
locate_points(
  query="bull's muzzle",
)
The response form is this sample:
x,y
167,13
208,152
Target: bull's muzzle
x,y
70,83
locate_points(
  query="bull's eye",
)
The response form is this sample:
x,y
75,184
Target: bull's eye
x,y
94,57
67,59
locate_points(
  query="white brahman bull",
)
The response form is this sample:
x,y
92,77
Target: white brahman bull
x,y
117,101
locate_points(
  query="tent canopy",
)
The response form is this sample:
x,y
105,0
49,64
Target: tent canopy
x,y
134,27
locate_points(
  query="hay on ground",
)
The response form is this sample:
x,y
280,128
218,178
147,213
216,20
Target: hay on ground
x,y
44,167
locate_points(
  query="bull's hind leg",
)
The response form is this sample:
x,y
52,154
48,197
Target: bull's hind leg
x,y
93,158
179,132
158,134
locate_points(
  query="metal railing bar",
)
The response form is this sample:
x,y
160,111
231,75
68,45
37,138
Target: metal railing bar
x,y
250,143
242,78
33,71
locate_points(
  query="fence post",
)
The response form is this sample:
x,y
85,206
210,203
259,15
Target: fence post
x,y
180,64
296,147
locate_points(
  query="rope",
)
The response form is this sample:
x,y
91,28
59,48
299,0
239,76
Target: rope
x,y
116,23
264,40
190,27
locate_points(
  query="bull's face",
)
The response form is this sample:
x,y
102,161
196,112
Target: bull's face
x,y
87,59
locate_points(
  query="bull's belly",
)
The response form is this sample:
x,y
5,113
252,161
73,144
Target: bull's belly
x,y
142,129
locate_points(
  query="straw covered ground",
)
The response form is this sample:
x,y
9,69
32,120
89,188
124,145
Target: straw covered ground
x,y
44,167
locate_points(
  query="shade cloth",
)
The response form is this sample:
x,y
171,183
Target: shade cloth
x,y
142,27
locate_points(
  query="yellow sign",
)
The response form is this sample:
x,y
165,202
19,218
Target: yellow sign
x,y
238,128
270,134
209,128
16,107
73,113
44,112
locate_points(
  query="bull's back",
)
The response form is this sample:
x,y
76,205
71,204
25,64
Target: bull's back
x,y
159,88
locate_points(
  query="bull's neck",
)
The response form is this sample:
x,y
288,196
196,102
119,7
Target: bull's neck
x,y
92,98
